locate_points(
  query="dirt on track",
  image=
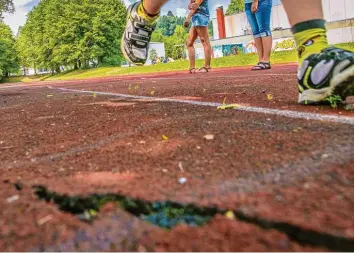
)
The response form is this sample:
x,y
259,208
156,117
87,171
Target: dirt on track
x,y
289,181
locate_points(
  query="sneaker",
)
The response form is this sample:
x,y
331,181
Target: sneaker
x,y
136,37
331,72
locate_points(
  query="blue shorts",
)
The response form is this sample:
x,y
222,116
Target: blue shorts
x,y
199,19
260,21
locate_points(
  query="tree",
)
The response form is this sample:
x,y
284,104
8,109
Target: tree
x,y
153,54
167,24
6,6
235,6
210,29
8,58
175,44
72,34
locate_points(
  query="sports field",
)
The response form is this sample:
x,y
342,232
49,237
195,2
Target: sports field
x,y
154,163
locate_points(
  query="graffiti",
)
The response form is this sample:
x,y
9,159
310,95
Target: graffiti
x,y
227,50
284,44
233,49
217,51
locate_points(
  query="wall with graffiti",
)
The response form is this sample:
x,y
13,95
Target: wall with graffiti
x,y
227,50
250,48
283,44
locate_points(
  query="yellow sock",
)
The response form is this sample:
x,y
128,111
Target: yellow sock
x,y
310,37
149,18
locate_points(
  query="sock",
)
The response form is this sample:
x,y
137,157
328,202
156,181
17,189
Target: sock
x,y
151,18
310,37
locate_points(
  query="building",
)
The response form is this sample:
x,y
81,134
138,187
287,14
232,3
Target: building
x,y
232,34
159,47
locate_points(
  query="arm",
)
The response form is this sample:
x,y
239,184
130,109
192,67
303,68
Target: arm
x,y
193,8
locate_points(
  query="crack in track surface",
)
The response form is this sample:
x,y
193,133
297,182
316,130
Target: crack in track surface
x,y
143,209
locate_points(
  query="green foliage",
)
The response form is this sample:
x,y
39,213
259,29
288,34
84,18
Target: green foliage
x,y
334,100
229,61
153,54
210,29
175,44
168,23
235,6
72,34
6,6
8,58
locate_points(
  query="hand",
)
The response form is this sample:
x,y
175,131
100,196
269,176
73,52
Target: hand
x,y
187,22
194,6
254,6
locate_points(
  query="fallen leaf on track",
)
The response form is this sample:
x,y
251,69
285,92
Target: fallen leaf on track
x,y
208,137
180,167
224,101
230,215
231,106
13,198
44,220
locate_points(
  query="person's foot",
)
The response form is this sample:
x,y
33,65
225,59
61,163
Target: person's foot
x,y
137,35
331,72
261,66
204,69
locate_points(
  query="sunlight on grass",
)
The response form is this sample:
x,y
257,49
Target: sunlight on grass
x,y
229,61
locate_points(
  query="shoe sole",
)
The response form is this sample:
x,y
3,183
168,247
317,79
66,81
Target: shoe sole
x,y
123,41
341,84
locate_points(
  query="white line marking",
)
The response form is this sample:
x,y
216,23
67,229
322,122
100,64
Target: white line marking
x,y
284,113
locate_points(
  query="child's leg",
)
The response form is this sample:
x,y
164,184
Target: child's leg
x,y
153,7
308,26
190,46
202,32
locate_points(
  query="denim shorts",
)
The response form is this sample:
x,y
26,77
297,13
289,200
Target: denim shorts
x,y
260,21
199,19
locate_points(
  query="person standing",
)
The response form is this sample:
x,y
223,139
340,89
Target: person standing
x,y
259,14
199,16
323,70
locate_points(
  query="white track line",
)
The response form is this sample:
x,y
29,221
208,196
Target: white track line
x,y
284,113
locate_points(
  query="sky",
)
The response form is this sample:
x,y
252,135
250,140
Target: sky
x,y
178,7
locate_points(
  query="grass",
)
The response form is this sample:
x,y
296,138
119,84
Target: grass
x,y
229,61
23,79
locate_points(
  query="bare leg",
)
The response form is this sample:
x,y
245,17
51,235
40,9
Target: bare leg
x,y
202,32
267,45
259,47
153,6
190,46
311,9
